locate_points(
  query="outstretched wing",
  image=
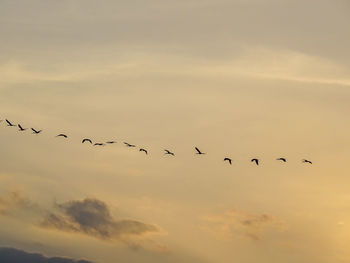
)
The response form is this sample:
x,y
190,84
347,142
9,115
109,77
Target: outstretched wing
x,y
143,150
9,123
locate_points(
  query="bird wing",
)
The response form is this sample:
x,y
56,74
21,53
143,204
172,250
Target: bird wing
x,y
256,161
198,150
169,152
228,159
8,122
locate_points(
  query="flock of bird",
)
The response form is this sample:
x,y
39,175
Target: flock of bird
x,y
167,152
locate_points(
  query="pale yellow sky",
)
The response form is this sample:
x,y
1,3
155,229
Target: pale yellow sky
x,y
244,79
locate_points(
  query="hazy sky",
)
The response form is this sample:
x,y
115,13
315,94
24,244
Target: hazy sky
x,y
237,78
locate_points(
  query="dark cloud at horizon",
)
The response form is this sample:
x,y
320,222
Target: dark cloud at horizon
x,y
13,255
92,217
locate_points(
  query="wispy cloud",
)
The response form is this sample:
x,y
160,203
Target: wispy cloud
x,y
256,62
15,201
233,222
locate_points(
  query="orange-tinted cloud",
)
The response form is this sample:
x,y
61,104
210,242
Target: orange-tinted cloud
x,y
232,222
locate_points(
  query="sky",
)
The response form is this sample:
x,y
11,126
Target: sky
x,y
237,78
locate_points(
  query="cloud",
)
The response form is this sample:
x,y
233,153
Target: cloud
x,y
12,255
231,222
251,61
92,217
89,216
14,201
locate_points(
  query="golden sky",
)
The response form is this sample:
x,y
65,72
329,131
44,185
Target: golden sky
x,y
237,78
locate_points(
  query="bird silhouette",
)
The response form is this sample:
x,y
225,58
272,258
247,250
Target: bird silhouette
x,y
143,150
228,159
62,135
21,128
86,140
306,161
36,131
129,145
255,160
169,152
111,142
9,123
99,144
198,151
282,159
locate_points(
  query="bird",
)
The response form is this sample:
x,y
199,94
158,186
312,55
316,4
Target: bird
x,y
306,161
99,144
21,128
255,160
169,152
86,140
9,123
228,159
198,151
143,150
36,131
111,142
62,135
129,145
282,159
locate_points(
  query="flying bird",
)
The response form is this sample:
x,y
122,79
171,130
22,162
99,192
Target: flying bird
x,y
21,128
9,123
282,159
198,151
255,160
169,152
36,131
306,161
99,144
129,145
111,142
228,159
143,150
86,140
62,135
